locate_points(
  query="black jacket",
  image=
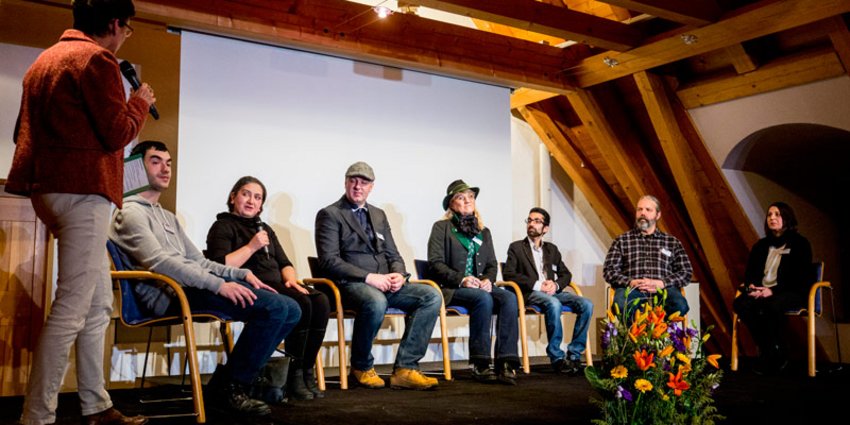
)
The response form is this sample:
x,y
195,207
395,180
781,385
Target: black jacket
x,y
795,272
447,258
520,266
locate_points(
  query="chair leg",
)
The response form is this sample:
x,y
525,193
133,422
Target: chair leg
x,y
734,357
523,337
447,363
147,352
811,342
343,370
192,357
320,372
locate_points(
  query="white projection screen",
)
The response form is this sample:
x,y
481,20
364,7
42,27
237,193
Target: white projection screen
x,y
297,120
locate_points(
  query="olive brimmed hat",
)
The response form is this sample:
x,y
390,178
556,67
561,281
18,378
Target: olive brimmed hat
x,y
456,187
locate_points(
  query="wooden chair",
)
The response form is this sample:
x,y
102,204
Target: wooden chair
x,y
132,316
340,314
456,310
813,310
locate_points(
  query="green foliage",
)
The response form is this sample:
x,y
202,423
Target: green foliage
x,y
654,370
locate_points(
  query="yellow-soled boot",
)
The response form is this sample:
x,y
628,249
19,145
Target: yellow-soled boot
x,y
369,378
411,379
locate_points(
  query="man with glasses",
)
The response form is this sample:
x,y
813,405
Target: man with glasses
x,y
356,250
70,134
539,270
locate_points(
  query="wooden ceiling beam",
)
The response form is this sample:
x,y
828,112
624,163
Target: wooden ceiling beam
x,y
691,12
525,96
741,60
546,19
757,20
840,38
584,176
679,156
792,71
351,30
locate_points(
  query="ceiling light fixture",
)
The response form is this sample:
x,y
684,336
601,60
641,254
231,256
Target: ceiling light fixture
x,y
610,62
689,39
382,11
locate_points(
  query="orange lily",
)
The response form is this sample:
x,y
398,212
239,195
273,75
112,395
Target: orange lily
x,y
712,360
676,317
659,330
666,351
644,359
677,383
636,330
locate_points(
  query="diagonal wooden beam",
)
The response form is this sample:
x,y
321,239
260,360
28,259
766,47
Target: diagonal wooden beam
x,y
757,20
571,161
594,118
741,60
691,12
679,157
545,19
524,96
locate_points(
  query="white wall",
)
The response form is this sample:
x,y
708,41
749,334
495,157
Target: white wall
x,y
16,61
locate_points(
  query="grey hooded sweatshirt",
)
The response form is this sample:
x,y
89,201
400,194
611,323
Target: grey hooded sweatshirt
x,y
154,240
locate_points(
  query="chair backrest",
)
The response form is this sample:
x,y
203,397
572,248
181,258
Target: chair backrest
x,y
421,268
817,275
130,312
315,270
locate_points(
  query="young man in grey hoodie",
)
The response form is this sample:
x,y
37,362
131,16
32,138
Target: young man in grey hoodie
x,y
155,241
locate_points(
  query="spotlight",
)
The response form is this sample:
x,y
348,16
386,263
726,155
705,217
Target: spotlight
x,y
382,11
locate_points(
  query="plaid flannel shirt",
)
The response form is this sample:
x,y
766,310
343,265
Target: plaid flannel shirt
x,y
634,255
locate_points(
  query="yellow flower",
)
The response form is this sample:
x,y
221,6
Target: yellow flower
x,y
643,385
676,317
706,337
666,351
619,372
611,317
683,358
665,397
712,360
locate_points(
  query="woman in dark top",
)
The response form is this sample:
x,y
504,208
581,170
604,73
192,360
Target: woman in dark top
x,y
238,238
462,260
778,277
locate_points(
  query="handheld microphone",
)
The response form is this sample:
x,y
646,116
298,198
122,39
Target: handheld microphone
x,y
130,74
260,229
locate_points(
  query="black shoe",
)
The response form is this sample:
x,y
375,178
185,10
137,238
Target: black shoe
x,y
507,374
295,386
558,365
310,382
571,367
483,373
234,397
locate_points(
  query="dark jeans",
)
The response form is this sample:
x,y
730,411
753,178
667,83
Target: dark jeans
x,y
551,308
267,322
482,306
420,302
675,301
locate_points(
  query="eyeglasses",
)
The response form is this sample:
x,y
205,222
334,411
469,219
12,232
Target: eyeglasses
x,y
533,220
128,30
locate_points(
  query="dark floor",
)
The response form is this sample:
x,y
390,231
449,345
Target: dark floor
x,y
539,398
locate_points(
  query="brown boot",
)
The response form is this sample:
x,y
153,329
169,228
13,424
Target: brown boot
x,y
368,378
411,379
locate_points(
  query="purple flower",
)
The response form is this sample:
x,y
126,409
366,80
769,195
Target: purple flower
x,y
623,393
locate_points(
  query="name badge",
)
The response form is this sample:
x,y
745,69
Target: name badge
x,y
379,236
786,251
666,252
554,268
478,241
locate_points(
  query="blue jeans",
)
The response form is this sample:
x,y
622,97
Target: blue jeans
x,y
267,323
675,301
420,302
482,306
551,306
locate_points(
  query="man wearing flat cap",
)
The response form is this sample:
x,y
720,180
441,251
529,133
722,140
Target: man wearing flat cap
x,y
356,250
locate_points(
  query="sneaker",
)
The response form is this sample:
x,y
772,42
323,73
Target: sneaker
x,y
411,379
234,397
368,379
507,374
483,373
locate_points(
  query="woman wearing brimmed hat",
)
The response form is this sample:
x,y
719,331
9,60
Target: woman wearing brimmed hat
x,y
462,260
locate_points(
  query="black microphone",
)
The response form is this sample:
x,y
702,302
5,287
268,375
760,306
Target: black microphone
x,y
260,229
130,74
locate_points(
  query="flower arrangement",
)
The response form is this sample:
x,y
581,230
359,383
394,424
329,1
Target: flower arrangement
x,y
651,373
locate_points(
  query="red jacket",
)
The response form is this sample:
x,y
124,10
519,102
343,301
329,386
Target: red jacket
x,y
74,122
